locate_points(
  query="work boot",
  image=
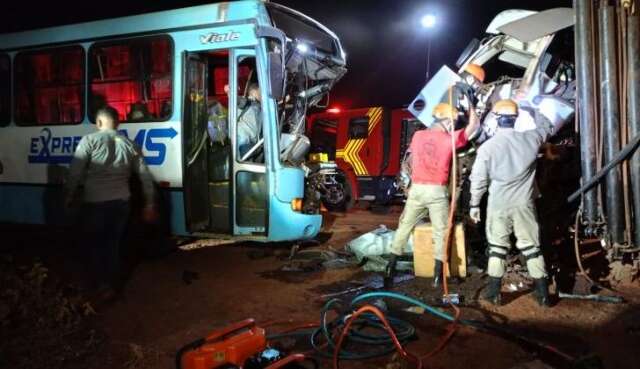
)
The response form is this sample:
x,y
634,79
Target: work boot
x,y
437,274
492,294
541,292
390,272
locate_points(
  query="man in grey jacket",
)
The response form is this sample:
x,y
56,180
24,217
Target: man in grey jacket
x,y
103,163
506,166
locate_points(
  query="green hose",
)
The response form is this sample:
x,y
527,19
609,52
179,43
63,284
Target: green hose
x,y
397,296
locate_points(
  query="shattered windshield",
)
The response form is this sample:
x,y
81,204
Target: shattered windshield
x,y
300,29
314,62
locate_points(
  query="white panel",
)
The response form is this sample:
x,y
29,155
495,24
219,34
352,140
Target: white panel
x,y
432,93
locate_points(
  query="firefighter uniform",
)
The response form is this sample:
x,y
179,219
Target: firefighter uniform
x,y
431,152
423,200
506,166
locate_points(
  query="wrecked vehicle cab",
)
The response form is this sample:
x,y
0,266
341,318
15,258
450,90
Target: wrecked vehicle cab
x,y
313,62
524,60
527,57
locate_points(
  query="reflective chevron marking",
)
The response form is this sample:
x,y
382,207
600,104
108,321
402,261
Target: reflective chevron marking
x,y
351,151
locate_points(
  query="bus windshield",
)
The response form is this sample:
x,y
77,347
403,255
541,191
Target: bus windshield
x,y
298,28
314,61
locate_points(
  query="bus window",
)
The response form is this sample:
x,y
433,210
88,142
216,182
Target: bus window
x,y
251,184
249,126
49,86
5,90
134,77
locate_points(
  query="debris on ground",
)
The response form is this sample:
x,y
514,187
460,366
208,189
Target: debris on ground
x,y
375,243
622,273
370,248
311,260
513,287
592,297
516,277
39,313
141,357
373,282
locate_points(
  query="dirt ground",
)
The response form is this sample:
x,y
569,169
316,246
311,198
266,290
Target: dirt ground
x,y
170,301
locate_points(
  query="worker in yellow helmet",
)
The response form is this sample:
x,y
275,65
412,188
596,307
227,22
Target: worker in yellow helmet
x,y
430,160
473,75
505,165
464,95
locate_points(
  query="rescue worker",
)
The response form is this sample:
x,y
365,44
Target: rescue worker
x,y
250,121
506,166
430,161
464,91
103,164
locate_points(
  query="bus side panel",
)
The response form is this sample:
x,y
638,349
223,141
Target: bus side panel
x,y
177,216
41,155
285,224
36,164
31,204
43,205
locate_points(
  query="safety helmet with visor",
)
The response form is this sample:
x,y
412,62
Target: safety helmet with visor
x,y
506,112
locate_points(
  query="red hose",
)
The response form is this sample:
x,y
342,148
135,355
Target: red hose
x,y
387,326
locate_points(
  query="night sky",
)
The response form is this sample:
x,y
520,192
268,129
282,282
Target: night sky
x,y
385,44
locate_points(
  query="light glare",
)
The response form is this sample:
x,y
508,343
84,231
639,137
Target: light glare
x,y
428,21
303,48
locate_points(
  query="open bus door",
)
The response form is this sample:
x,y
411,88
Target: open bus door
x,y
250,189
225,188
195,176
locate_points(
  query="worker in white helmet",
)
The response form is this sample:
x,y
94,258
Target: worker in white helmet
x,y
505,165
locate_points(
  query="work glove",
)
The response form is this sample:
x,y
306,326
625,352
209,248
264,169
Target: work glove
x,y
474,213
467,91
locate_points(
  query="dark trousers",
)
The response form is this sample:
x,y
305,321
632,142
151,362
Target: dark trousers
x,y
105,224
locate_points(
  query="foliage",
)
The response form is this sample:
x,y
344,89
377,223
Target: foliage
x,y
43,323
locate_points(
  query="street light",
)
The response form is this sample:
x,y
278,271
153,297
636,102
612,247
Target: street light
x,y
428,21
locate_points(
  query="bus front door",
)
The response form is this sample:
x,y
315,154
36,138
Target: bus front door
x,y
195,177
249,172
225,178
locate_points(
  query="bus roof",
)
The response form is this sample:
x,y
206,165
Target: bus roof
x,y
163,21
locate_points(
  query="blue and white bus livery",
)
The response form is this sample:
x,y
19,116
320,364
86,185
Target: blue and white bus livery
x,y
159,70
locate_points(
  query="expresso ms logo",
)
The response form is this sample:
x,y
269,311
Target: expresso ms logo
x,y
213,37
48,148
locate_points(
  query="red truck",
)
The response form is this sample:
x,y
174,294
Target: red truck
x,y
368,145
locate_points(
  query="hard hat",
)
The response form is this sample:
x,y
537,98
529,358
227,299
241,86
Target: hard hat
x,y
476,71
444,110
505,107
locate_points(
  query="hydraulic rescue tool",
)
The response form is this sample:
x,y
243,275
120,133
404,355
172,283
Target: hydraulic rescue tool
x,y
239,345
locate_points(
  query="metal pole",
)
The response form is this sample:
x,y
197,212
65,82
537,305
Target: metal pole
x,y
428,57
633,44
585,104
610,112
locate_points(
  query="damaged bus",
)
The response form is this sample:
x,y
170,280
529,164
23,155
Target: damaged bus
x,y
164,72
